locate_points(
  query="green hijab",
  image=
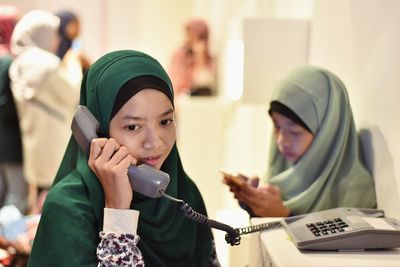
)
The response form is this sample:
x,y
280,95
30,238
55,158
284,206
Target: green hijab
x,y
73,212
330,174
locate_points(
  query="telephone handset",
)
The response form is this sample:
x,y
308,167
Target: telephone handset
x,y
143,178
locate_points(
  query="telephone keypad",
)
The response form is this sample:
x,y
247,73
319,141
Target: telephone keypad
x,y
327,227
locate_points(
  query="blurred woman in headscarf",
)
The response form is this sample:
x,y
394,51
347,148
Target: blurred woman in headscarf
x,y
192,68
69,31
8,19
46,92
13,188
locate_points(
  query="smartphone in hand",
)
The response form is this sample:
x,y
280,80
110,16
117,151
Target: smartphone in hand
x,y
234,180
237,181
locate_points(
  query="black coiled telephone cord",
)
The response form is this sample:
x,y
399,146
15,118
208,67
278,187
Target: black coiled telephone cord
x,y
232,236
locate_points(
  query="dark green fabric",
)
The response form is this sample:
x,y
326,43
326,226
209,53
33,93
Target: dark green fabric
x,y
10,136
73,212
330,174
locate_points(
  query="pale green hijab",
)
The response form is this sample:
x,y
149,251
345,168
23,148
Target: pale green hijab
x,y
330,174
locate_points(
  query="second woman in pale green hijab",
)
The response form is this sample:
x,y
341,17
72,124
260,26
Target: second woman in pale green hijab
x,y
314,161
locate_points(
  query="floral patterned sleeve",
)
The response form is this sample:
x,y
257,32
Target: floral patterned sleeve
x,y
118,240
119,250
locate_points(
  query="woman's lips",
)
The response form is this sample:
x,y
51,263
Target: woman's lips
x,y
288,154
153,161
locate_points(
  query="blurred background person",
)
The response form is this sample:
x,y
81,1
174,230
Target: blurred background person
x,y
16,236
13,187
46,92
192,68
69,31
8,19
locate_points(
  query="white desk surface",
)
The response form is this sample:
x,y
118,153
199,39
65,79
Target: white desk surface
x,y
276,249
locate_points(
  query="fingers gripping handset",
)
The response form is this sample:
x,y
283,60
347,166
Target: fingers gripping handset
x,y
143,178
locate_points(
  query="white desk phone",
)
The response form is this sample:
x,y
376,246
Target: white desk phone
x,y
278,247
338,229
343,229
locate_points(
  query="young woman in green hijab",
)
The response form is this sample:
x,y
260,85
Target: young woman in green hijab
x,y
314,161
91,216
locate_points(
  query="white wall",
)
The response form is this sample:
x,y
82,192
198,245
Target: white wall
x,y
200,143
154,26
271,48
108,25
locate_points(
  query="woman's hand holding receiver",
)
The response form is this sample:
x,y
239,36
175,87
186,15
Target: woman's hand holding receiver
x,y
110,162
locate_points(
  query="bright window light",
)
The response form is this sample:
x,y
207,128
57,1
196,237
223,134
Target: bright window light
x,y
234,69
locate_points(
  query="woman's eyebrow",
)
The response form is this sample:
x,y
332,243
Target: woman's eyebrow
x,y
131,117
138,118
168,112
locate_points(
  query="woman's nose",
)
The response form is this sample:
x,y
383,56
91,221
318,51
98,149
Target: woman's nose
x,y
152,139
281,139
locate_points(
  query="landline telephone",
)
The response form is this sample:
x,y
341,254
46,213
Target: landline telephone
x,y
334,229
338,229
343,229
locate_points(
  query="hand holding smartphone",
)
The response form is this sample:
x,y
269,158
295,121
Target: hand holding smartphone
x,y
236,182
